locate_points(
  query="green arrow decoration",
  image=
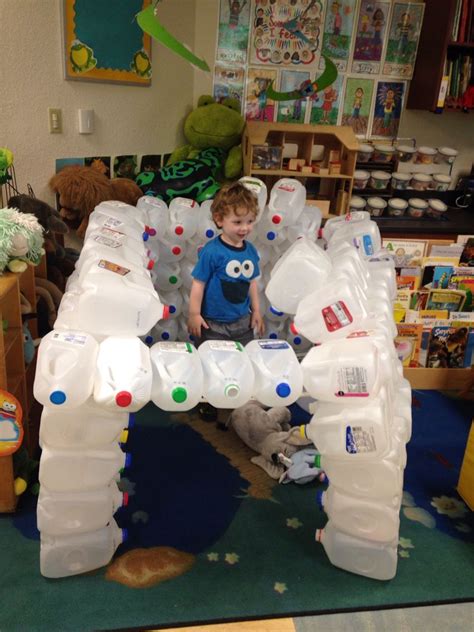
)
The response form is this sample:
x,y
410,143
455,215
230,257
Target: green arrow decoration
x,y
149,23
307,88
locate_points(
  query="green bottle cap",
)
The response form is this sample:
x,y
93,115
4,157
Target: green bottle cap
x,y
173,280
179,394
317,460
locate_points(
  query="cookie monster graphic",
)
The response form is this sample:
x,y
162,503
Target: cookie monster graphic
x,y
227,271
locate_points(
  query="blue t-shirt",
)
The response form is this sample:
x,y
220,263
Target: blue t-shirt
x,y
227,271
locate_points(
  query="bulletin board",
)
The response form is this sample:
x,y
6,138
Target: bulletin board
x,y
103,42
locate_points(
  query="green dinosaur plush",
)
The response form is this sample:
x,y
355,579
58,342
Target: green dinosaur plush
x,y
214,124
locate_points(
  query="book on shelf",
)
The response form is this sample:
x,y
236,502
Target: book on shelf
x,y
447,347
406,252
463,21
451,300
408,343
456,20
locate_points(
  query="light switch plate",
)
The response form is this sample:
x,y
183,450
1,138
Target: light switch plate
x,y
55,120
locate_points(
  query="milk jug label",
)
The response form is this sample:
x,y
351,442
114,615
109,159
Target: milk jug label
x,y
107,241
113,234
112,222
352,382
286,187
359,440
74,339
270,344
176,347
113,267
368,246
336,316
223,345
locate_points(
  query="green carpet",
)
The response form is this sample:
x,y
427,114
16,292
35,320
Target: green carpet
x,y
238,546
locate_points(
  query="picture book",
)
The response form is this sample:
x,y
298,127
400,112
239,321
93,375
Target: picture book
x,y
407,282
467,256
418,299
452,300
453,250
406,252
401,304
447,347
462,239
441,277
408,343
467,317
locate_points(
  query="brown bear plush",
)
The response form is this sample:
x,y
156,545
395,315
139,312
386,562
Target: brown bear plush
x,y
80,189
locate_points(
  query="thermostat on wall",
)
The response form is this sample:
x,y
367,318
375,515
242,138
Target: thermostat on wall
x,y
86,121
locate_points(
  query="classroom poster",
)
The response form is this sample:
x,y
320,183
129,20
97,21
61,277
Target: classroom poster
x,y
338,27
292,111
258,107
387,108
285,33
404,33
357,104
228,82
325,107
370,35
233,36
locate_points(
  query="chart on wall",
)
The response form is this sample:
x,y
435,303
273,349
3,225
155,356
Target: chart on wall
x,y
283,44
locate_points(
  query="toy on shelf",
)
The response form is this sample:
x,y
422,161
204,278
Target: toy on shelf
x,y
81,189
21,240
6,161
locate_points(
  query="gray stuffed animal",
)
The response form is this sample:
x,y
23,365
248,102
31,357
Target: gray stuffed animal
x,y
268,433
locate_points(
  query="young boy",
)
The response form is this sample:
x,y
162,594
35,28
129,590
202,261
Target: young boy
x,y
223,304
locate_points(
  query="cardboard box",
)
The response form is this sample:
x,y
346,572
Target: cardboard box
x,y
466,478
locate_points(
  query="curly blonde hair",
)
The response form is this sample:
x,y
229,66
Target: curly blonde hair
x,y
235,198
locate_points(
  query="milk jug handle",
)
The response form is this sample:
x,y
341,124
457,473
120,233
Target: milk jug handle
x,y
162,371
267,374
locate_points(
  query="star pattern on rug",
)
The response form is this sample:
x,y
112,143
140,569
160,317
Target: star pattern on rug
x,y
232,558
293,523
406,543
451,507
404,553
213,557
280,587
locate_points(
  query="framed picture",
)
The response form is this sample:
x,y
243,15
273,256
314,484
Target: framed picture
x,y
370,36
388,107
103,42
403,36
357,104
258,107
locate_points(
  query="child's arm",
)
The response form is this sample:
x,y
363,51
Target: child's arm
x,y
195,320
256,320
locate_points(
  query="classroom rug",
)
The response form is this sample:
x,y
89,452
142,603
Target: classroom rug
x,y
212,538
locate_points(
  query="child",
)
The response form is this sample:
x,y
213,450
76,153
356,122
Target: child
x,y
223,304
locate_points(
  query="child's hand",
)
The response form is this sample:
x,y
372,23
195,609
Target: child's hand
x,y
256,322
195,322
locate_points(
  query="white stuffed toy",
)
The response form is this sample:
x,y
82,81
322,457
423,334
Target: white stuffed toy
x,y
21,240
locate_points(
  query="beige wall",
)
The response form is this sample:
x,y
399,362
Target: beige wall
x,y
127,119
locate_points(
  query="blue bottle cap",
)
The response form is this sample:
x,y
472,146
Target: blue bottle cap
x,y
165,335
124,535
57,397
271,235
149,340
145,236
275,311
319,499
297,340
172,309
128,460
209,233
283,389
272,336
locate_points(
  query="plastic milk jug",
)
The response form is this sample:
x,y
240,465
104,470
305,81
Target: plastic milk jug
x,y
273,235
372,559
351,369
278,375
76,470
287,201
184,215
307,225
121,220
166,276
65,368
273,314
228,373
352,432
333,310
157,216
365,236
174,300
259,188
334,223
346,258
296,274
123,377
164,330
206,229
62,556
86,426
171,248
94,263
105,243
382,269
64,513
299,343
183,333
187,267
275,330
177,375
113,300
361,517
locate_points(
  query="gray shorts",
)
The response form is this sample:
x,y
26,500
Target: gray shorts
x,y
238,330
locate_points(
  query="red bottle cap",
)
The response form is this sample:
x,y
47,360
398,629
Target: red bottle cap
x,y
293,329
276,219
123,399
179,230
176,250
166,312
150,264
125,499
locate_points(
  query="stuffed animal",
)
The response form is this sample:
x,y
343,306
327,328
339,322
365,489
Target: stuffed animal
x,y
81,189
269,433
21,240
213,131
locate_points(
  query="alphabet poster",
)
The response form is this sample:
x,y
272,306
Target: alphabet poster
x,y
370,36
387,108
404,33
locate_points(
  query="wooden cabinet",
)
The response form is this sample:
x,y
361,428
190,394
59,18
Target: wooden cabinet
x,y
327,154
436,48
15,377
